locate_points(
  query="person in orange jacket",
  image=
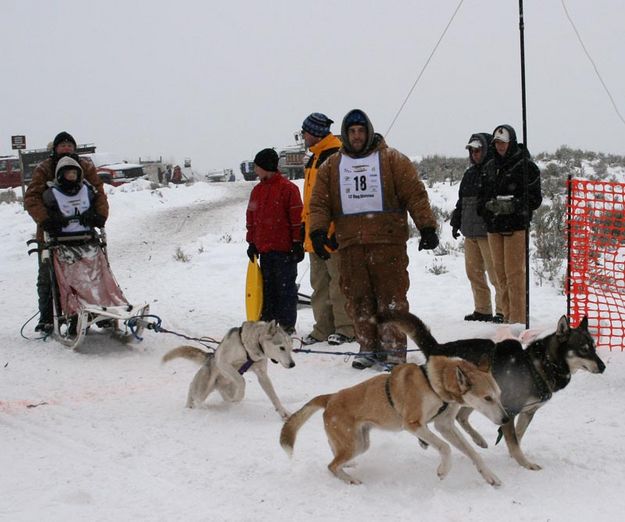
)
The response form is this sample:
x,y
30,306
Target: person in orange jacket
x,y
332,323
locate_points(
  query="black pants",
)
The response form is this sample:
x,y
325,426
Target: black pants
x,y
44,291
279,288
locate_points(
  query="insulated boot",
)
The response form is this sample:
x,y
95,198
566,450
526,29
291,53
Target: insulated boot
x,y
309,339
361,362
477,316
44,327
336,339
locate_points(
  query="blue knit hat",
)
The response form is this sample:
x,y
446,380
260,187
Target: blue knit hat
x,y
355,117
317,124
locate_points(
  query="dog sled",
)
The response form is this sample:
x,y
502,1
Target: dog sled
x,y
84,290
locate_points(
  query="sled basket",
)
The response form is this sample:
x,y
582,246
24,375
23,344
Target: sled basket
x,y
84,290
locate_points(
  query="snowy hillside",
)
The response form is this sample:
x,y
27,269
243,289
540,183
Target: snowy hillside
x,y
103,434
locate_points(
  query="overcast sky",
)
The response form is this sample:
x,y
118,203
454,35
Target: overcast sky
x,y
218,81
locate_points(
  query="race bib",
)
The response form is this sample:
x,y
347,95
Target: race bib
x,y
360,184
71,207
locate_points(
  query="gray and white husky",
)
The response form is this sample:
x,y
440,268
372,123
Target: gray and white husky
x,y
243,348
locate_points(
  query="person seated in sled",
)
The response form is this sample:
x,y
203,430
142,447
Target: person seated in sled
x,y
49,217
69,201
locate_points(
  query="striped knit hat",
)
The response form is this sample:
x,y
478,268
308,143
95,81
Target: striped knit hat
x,y
317,124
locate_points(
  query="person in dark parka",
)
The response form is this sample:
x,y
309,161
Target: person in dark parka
x,y
466,221
507,209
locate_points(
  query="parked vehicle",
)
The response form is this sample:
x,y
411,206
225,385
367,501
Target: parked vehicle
x,y
291,162
220,175
113,170
120,173
293,158
247,169
10,172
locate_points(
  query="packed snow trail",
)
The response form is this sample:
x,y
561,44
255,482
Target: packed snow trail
x,y
102,434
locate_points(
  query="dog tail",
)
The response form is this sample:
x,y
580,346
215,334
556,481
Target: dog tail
x,y
295,421
187,352
416,329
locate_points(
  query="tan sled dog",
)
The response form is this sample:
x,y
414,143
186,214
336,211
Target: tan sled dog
x,y
405,399
247,347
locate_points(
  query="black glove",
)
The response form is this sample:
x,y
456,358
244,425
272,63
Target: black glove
x,y
455,232
252,252
429,239
54,223
333,243
90,218
297,251
319,240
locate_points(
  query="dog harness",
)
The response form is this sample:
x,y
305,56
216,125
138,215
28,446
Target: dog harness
x,y
387,390
555,376
247,364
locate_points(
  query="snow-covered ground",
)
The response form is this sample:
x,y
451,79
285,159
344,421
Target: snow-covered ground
x,y
102,434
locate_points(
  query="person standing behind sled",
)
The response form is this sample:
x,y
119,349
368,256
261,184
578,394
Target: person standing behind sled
x,y
332,323
44,175
367,190
508,214
274,220
465,220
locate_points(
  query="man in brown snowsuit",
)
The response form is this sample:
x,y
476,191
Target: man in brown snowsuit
x,y
367,190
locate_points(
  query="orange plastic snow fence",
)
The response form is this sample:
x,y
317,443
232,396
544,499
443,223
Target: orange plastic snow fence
x,y
596,284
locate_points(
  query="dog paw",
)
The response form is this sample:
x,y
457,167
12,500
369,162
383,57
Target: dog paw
x,y
348,479
491,478
522,461
479,441
284,414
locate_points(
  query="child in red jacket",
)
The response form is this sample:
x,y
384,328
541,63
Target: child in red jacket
x,y
273,221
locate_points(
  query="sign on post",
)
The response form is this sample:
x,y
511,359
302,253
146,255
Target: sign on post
x,y
18,142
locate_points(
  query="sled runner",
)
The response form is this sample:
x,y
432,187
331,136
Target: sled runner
x,y
84,290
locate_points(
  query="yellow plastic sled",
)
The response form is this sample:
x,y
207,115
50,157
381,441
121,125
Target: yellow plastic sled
x,y
253,291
